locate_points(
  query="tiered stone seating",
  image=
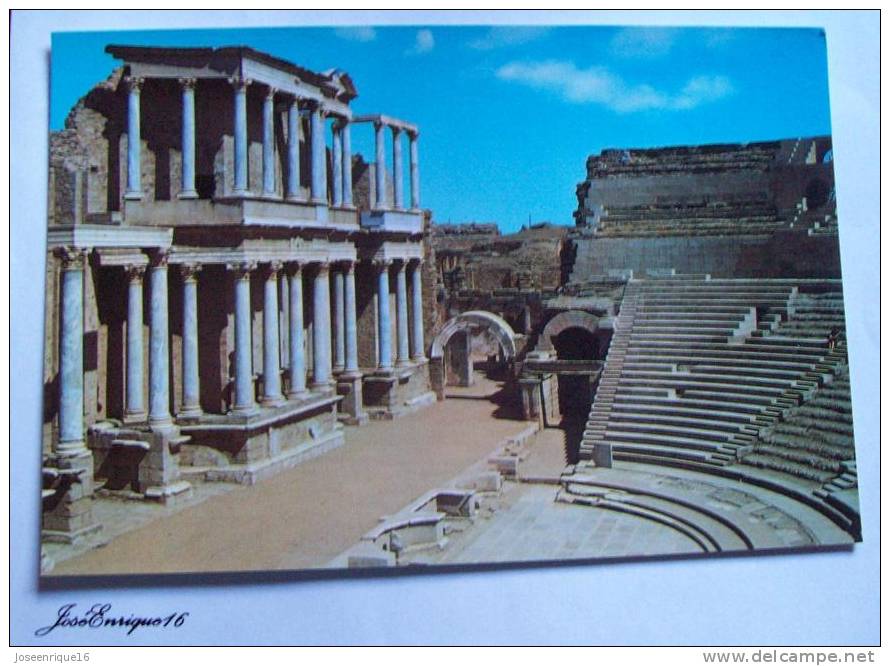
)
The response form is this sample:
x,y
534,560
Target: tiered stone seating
x,y
753,217
698,370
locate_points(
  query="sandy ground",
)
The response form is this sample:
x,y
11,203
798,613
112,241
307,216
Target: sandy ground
x,y
305,516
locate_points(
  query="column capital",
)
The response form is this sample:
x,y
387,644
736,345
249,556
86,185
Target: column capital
x,y
413,134
271,269
396,131
159,257
242,269
321,267
270,92
135,273
382,263
188,82
134,83
341,122
348,265
239,82
378,124
293,267
72,258
189,271
401,264
417,261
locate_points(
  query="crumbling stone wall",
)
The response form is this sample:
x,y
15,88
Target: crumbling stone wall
x,y
479,257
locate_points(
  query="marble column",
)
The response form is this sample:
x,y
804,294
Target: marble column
x,y
293,150
135,410
191,382
417,352
397,174
321,328
272,395
158,344
402,356
347,163
339,322
319,168
284,318
336,165
351,326
71,426
243,393
269,143
241,179
380,166
134,139
187,190
297,352
415,169
384,336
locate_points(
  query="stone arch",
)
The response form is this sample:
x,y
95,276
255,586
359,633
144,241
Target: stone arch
x,y
499,329
494,325
564,321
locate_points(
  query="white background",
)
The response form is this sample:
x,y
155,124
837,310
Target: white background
x,y
817,599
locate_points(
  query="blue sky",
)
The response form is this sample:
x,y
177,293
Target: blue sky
x,y
508,115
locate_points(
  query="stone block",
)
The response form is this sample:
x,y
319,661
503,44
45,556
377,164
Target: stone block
x,y
366,555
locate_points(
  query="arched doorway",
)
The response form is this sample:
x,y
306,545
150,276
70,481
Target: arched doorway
x,y
465,325
578,341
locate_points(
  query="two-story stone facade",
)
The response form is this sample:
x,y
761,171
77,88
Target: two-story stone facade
x,y
222,292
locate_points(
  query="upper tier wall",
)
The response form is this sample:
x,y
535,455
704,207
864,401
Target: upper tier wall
x,y
783,254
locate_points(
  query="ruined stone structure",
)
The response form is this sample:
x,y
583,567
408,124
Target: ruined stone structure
x,y
226,281
478,257
728,210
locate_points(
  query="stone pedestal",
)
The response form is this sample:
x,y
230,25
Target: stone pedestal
x,y
68,512
351,410
530,387
602,455
159,476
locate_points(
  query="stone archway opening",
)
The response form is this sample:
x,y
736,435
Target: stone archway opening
x,y
575,390
451,353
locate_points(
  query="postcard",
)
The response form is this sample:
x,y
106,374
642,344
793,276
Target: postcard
x,y
384,297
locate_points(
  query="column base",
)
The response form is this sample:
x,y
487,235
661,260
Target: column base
x,y
318,202
295,198
190,413
188,194
403,362
135,417
419,360
272,400
71,449
302,394
162,424
322,387
337,369
133,196
244,410
241,193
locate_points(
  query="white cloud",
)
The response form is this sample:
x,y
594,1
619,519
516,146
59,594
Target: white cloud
x,y
598,85
424,42
643,42
357,33
503,36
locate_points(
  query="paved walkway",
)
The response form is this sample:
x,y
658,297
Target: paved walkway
x,y
525,524
304,516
